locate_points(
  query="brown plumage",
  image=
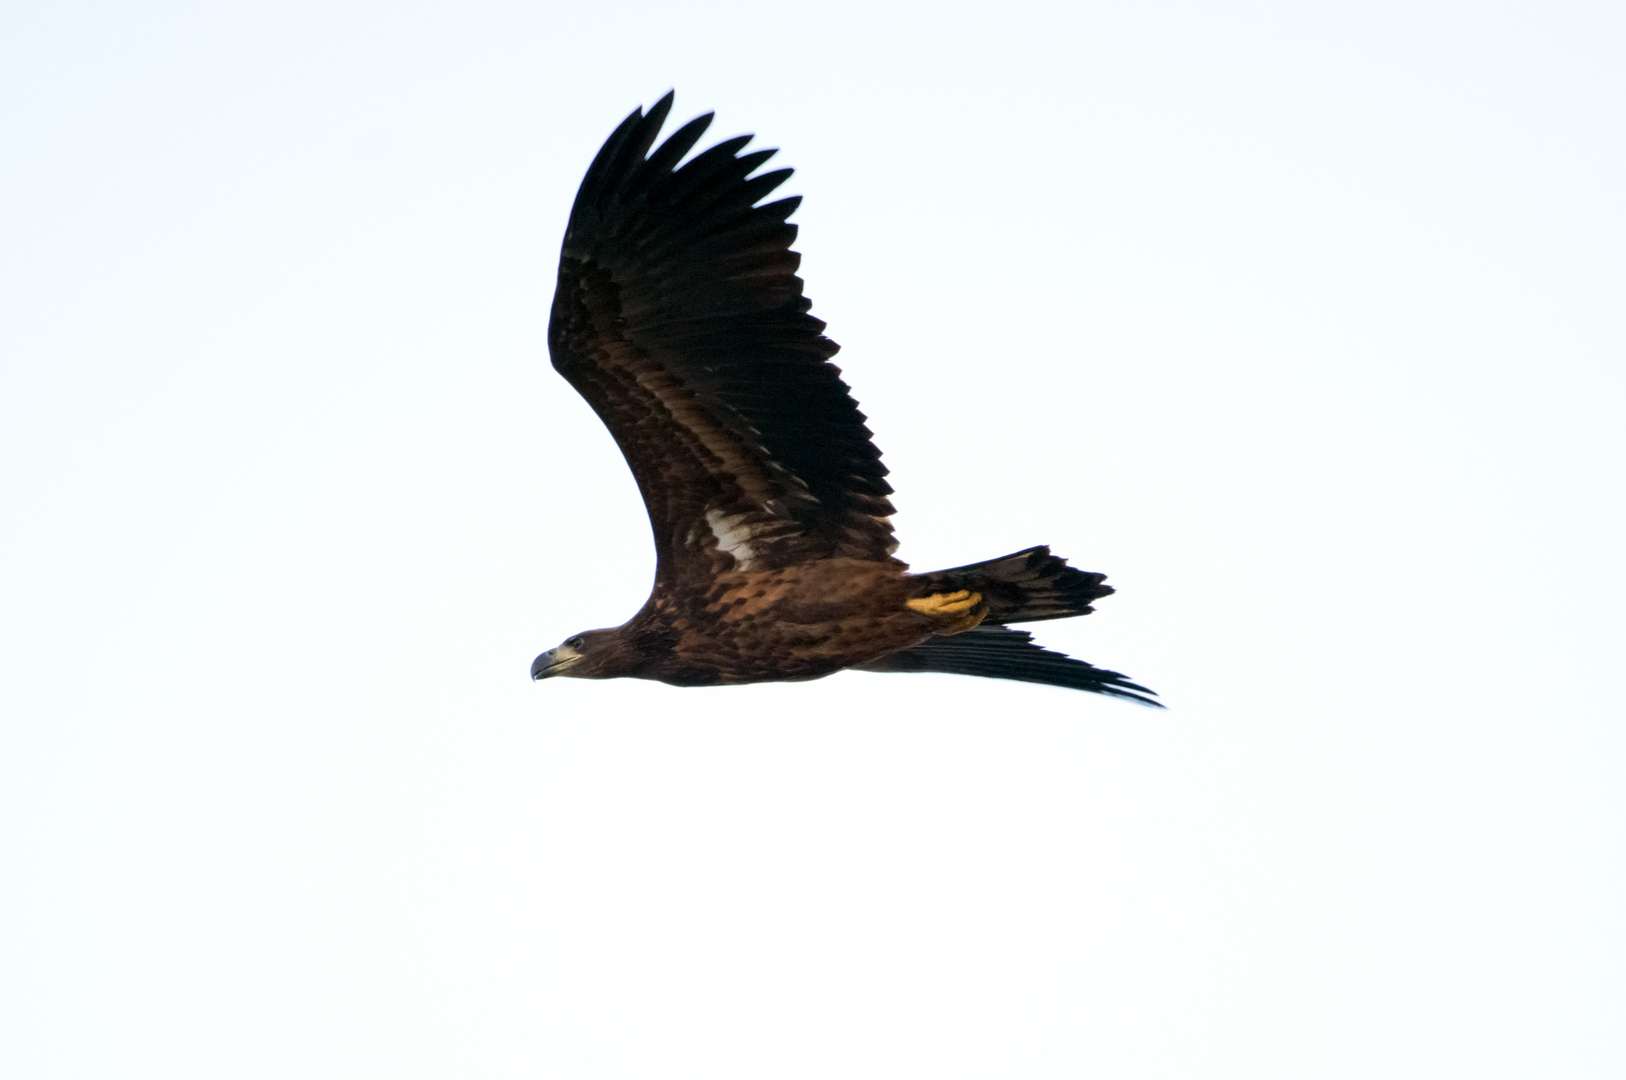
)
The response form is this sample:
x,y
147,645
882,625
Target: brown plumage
x,y
680,318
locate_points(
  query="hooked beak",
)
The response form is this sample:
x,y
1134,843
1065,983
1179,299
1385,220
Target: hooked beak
x,y
553,662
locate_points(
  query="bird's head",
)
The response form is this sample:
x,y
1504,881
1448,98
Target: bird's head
x,y
587,655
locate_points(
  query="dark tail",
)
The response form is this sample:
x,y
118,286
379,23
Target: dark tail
x,y
1026,587
998,652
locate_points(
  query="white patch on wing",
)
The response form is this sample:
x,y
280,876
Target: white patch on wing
x,y
734,535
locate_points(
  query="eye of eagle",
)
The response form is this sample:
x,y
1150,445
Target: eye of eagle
x,y
576,642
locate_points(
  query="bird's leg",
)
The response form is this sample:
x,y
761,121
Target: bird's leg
x,y
956,611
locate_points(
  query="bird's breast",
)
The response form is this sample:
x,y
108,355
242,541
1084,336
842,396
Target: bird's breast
x,y
797,622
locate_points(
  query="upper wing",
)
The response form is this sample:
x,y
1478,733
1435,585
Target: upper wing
x,y
681,320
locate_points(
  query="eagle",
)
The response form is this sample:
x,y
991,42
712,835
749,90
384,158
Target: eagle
x,y
680,318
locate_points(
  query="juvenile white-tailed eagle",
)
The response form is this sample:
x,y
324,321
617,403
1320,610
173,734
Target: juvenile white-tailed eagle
x,y
681,320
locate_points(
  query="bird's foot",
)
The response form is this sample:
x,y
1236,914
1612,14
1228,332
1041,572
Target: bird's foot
x,y
956,611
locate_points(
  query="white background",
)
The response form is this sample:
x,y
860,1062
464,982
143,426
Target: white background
x,y
1303,322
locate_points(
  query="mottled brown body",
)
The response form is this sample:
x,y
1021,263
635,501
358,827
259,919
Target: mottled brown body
x,y
799,622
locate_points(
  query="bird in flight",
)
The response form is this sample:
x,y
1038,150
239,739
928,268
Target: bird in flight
x,y
680,318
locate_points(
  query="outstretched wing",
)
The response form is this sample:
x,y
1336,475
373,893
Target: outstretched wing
x,y
998,652
681,320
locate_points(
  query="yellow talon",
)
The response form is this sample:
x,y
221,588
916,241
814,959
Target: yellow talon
x,y
956,609
945,603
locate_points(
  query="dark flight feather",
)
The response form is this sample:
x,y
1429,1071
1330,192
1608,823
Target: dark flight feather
x,y
681,320
998,652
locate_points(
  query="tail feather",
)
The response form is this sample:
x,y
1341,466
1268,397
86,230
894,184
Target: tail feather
x,y
1028,586
998,652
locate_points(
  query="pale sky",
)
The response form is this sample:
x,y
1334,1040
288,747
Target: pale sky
x,y
1304,323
